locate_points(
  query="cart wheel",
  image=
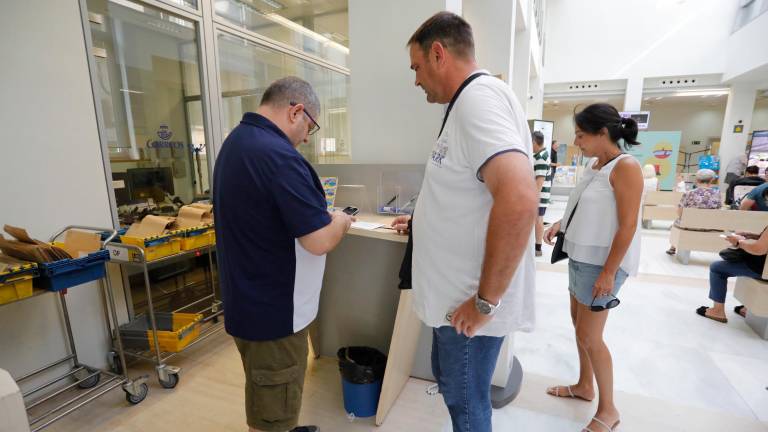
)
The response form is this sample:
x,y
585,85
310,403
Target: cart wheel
x,y
90,382
215,319
173,379
114,363
135,399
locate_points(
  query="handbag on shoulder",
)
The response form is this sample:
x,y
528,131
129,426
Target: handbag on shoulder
x,y
558,254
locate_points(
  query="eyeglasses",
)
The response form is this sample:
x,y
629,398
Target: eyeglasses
x,y
315,126
612,303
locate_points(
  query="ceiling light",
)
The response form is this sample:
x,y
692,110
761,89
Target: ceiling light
x,y
659,98
273,4
301,29
129,4
222,6
713,92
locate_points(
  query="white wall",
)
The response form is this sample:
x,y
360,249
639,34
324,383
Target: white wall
x,y
696,122
493,27
747,54
51,168
613,39
760,115
391,120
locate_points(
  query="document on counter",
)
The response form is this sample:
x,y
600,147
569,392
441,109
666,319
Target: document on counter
x,y
369,226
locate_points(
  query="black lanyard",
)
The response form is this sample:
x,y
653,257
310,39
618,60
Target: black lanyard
x,y
456,96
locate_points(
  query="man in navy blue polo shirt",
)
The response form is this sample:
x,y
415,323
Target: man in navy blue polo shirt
x,y
272,233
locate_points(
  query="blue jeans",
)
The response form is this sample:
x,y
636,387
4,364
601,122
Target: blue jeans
x,y
720,271
463,368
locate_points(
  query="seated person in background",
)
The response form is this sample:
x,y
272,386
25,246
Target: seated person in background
x,y
751,178
680,183
703,197
757,199
751,265
650,181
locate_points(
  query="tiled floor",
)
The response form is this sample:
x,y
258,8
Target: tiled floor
x,y
674,371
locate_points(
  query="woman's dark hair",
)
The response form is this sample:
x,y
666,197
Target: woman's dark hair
x,y
753,169
595,117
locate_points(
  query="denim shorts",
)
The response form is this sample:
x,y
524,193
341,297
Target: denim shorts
x,y
581,281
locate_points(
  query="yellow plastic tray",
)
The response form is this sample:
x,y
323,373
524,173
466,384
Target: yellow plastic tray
x,y
16,288
151,253
186,328
201,240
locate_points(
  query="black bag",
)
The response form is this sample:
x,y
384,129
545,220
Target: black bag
x,y
557,252
361,365
405,267
734,255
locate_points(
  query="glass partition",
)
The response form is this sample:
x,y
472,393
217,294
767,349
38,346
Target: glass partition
x,y
319,28
148,80
246,70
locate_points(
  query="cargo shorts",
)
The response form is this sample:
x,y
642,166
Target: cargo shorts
x,y
274,380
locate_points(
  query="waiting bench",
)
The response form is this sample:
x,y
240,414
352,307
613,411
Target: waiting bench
x,y
660,205
687,236
753,293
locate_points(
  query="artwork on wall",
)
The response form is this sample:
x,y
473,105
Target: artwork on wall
x,y
659,149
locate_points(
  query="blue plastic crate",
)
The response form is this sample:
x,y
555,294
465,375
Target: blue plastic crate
x,y
63,274
105,235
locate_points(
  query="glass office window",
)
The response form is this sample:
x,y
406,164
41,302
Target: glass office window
x,y
188,3
148,83
247,69
315,27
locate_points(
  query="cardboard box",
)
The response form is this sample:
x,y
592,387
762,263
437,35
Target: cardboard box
x,y
194,215
26,248
150,226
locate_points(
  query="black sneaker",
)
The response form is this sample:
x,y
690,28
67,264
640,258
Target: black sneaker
x,y
305,429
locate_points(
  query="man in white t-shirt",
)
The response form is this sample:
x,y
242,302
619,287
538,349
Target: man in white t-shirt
x,y
473,268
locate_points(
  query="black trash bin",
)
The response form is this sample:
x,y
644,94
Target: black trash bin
x,y
362,371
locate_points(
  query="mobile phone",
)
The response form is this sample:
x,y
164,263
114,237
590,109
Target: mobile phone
x,y
351,210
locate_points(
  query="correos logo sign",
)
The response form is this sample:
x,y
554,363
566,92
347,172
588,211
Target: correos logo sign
x,y
165,133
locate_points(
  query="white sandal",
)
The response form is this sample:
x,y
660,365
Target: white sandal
x,y
603,424
571,395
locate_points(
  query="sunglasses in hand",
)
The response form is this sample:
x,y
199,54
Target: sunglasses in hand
x,y
610,304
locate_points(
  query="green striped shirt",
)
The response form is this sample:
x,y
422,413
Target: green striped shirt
x,y
541,169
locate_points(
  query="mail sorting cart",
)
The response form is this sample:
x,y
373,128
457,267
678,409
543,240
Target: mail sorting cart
x,y
159,336
58,397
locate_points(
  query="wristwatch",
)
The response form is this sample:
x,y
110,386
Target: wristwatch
x,y
484,306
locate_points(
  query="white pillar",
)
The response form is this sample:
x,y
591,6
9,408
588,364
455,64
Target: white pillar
x,y
493,26
391,121
738,111
633,98
535,103
521,65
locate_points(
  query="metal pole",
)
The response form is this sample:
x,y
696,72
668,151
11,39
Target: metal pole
x,y
44,368
68,325
151,311
107,287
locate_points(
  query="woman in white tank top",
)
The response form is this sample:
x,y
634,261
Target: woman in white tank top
x,y
603,243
